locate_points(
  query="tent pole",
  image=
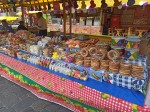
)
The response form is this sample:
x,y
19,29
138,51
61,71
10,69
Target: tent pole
x,y
22,10
70,20
64,19
101,20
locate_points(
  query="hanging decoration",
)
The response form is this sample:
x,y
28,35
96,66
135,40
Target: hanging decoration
x,y
103,4
131,2
7,11
12,4
117,3
14,9
72,7
31,8
20,2
75,4
83,6
44,6
144,5
49,6
120,7
4,1
40,8
92,4
10,10
69,7
35,6
3,10
56,5
124,5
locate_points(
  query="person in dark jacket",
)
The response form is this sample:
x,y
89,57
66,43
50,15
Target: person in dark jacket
x,y
6,27
22,26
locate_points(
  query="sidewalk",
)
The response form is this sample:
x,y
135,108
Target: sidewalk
x,y
14,98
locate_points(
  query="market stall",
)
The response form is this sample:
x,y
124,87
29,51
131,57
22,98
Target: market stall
x,y
79,78
88,72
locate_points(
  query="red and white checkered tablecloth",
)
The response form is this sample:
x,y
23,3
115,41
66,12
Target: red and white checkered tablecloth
x,y
71,89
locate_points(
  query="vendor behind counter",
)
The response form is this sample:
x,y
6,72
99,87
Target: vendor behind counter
x,y
21,26
6,27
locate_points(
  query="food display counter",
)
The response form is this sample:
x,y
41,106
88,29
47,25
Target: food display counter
x,y
81,88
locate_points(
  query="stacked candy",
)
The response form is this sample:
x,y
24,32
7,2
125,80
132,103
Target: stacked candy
x,y
114,66
137,71
104,64
125,69
79,60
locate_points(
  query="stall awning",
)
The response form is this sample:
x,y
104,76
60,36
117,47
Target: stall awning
x,y
87,2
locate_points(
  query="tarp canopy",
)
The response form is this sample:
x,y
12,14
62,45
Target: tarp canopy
x,y
79,2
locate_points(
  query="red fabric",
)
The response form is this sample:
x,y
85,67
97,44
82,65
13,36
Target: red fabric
x,y
71,89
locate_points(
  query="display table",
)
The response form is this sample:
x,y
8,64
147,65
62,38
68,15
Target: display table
x,y
101,37
79,96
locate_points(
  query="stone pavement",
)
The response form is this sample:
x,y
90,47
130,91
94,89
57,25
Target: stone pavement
x,y
14,98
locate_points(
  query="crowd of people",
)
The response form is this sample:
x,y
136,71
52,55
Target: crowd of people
x,y
41,25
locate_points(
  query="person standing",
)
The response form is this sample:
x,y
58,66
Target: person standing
x,y
6,27
22,26
42,25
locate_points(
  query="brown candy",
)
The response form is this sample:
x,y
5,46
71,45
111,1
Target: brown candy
x,y
84,52
87,61
137,71
113,55
95,64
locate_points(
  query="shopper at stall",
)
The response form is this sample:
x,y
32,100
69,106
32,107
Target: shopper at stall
x,y
22,26
42,25
6,27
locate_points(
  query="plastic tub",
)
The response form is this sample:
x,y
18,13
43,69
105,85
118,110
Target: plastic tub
x,y
117,41
131,53
132,43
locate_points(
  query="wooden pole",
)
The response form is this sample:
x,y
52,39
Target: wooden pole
x,y
70,20
22,10
64,19
101,20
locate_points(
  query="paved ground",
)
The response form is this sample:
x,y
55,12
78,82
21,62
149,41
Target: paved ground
x,y
14,98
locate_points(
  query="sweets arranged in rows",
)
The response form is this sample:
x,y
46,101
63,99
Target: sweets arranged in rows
x,y
93,53
82,58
